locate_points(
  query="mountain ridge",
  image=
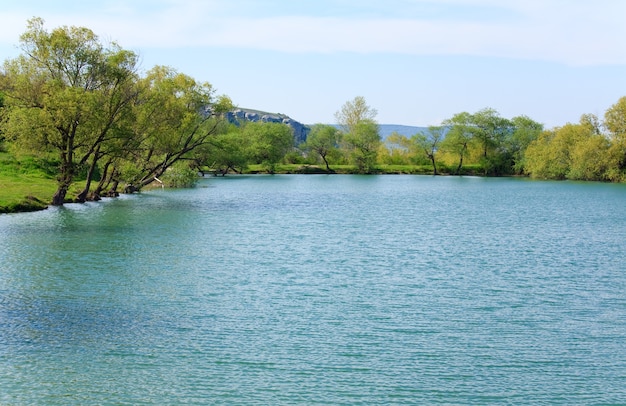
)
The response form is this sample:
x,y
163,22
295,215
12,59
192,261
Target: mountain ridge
x,y
301,130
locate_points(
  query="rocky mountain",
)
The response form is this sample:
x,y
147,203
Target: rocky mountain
x,y
300,131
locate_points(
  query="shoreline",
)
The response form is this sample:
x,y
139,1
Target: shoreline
x,y
33,204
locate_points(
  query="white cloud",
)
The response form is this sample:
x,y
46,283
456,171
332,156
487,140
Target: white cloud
x,y
573,32
576,42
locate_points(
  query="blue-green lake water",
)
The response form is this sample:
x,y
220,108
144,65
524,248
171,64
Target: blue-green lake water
x,y
319,290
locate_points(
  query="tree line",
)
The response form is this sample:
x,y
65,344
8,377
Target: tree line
x,y
83,104
482,143
71,98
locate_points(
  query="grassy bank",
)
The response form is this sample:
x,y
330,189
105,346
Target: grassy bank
x,y
26,184
349,169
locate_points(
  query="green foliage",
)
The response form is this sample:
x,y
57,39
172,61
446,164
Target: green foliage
x,y
362,139
497,144
615,118
170,124
225,152
525,131
71,95
574,151
64,94
324,140
396,150
73,109
294,157
354,112
548,156
459,137
490,130
588,158
180,176
268,142
363,144
428,142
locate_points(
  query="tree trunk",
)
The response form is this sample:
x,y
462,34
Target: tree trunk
x,y
82,196
157,173
59,196
326,162
66,176
432,159
103,179
458,168
113,191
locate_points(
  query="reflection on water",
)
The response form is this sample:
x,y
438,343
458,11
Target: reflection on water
x,y
319,289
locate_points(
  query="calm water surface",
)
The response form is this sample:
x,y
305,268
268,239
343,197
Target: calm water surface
x,y
320,290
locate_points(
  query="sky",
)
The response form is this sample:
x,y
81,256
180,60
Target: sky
x,y
416,62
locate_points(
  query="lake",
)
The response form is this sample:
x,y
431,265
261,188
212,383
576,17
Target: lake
x,y
317,289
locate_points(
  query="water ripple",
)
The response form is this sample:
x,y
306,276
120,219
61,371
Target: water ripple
x,y
320,289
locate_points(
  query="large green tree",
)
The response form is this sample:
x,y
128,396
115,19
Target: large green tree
x,y
490,131
429,141
525,131
615,123
395,150
363,143
362,135
171,122
268,142
615,118
574,151
324,141
353,112
460,135
225,153
65,94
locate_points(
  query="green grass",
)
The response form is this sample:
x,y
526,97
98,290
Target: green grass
x,y
342,169
26,184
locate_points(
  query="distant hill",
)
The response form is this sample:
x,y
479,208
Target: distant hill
x,y
302,130
406,130
239,115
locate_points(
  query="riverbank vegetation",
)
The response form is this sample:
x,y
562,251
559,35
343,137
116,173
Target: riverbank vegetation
x,y
79,120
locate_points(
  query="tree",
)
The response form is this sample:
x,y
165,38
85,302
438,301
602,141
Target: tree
x,y
525,131
615,118
589,158
362,137
615,123
66,92
354,112
115,104
225,152
395,150
171,121
2,110
554,153
324,141
460,134
268,142
363,143
428,141
490,130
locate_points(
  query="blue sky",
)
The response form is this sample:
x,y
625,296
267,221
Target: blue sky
x,y
417,62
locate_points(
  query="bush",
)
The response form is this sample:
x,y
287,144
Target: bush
x,y
181,176
294,157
